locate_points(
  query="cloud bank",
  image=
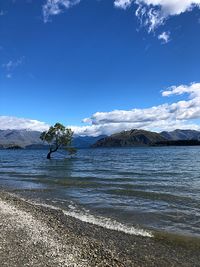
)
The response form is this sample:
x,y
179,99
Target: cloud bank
x,y
14,123
151,13
178,115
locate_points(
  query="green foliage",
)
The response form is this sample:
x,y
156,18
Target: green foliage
x,y
71,150
58,136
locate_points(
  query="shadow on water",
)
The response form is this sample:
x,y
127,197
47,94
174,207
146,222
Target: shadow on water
x,y
61,172
172,239
54,169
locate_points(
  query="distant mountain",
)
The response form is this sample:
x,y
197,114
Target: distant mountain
x,y
129,139
181,135
19,137
86,141
31,139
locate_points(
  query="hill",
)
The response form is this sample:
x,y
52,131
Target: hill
x,y
86,141
181,135
31,139
130,138
19,137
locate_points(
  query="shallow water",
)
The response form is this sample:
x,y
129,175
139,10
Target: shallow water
x,y
155,187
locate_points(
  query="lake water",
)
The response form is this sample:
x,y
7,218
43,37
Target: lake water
x,y
148,188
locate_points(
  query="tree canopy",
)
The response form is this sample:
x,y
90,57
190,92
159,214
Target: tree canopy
x,y
58,136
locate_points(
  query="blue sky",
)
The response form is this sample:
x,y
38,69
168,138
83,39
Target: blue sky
x,y
63,60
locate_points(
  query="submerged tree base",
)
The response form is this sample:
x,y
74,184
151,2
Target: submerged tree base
x,y
49,155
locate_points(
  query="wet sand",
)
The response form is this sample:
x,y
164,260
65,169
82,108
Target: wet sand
x,y
33,235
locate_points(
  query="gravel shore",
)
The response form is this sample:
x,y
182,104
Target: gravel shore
x,y
33,235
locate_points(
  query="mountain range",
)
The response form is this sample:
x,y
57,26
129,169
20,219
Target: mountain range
x,y
143,138
19,137
31,139
181,135
130,138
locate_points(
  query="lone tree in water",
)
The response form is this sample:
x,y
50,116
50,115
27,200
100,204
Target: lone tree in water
x,y
58,136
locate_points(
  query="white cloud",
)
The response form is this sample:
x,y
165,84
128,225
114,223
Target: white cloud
x,y
108,129
162,117
123,3
193,90
153,13
178,115
8,122
11,65
164,37
55,7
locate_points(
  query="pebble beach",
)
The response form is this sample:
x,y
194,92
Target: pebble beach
x,y
34,235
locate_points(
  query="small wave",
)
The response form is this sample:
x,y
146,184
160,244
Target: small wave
x,y
107,223
150,195
95,220
101,221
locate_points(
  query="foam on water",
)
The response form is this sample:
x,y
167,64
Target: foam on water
x,y
108,223
101,221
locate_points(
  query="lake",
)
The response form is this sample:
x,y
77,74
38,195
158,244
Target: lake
x,y
149,187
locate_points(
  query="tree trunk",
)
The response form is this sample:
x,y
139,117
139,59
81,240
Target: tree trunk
x,y
49,155
52,151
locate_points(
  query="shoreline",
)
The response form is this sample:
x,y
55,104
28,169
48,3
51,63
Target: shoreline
x,y
34,235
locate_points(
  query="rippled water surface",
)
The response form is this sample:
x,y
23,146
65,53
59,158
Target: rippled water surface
x,y
154,187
